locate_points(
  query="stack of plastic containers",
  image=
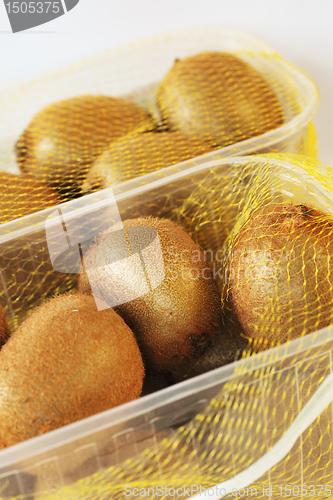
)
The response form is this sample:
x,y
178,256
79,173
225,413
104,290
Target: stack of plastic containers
x,y
218,424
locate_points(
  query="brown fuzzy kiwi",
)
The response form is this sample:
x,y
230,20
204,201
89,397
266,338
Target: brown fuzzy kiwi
x,y
65,362
176,321
280,273
218,97
136,155
63,139
225,348
23,195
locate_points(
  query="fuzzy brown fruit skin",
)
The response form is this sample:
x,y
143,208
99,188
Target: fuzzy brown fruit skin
x,y
225,348
280,277
63,139
67,361
141,154
22,195
175,322
218,97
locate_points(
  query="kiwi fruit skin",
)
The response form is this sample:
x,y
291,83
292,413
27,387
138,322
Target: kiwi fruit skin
x,y
140,154
65,362
227,347
280,275
63,139
23,195
218,97
176,321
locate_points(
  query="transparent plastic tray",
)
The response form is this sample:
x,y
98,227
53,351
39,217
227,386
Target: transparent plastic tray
x,y
64,456
133,72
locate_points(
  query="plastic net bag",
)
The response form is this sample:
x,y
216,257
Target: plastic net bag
x,y
269,414
110,119
271,242
240,425
153,104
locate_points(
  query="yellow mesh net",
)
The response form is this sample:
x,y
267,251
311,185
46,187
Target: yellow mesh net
x,y
207,91
105,122
110,119
215,431
277,252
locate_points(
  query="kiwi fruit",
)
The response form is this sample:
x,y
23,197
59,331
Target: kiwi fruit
x,y
62,140
280,273
219,98
178,319
65,362
23,195
140,154
225,348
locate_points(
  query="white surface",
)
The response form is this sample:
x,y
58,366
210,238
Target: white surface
x,y
300,30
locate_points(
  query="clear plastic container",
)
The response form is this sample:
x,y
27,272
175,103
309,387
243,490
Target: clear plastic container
x,y
64,456
134,71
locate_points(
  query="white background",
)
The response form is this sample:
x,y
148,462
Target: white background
x,y
300,30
